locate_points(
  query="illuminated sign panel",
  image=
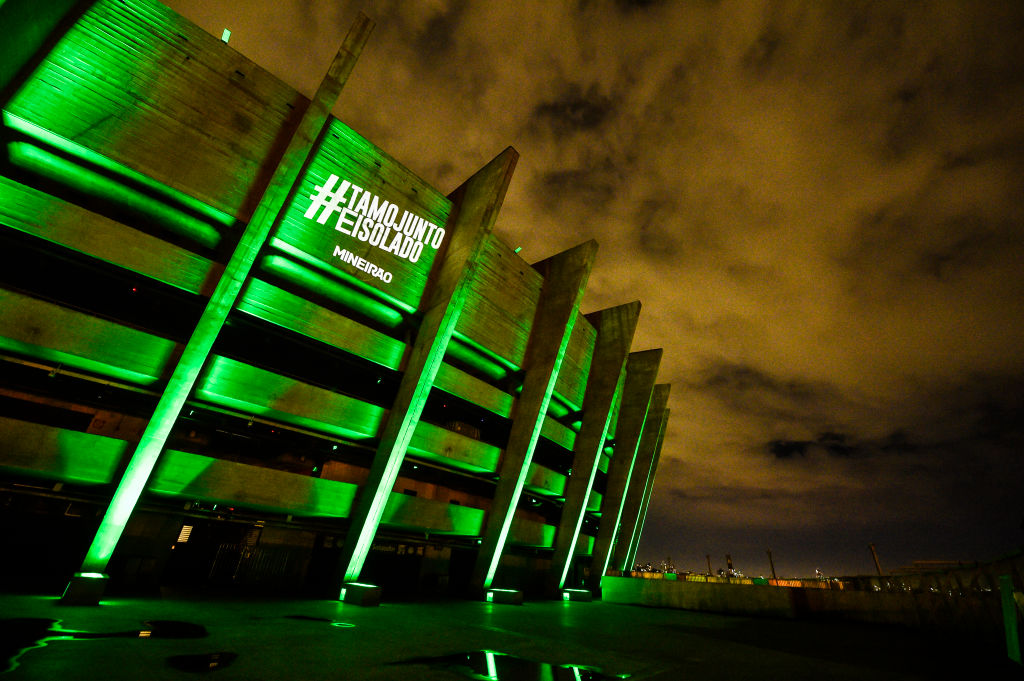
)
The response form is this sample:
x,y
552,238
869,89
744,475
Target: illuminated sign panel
x,y
367,216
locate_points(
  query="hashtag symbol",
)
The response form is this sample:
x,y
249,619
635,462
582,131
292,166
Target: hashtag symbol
x,y
327,198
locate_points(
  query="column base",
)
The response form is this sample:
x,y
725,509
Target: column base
x,y
506,596
85,588
581,595
365,595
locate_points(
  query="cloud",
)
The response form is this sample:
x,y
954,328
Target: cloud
x,y
817,203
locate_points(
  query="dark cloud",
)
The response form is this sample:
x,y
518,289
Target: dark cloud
x,y
595,187
633,5
575,110
759,57
750,392
437,38
785,449
658,232
833,444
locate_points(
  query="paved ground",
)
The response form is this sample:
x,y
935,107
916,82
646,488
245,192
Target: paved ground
x,y
308,640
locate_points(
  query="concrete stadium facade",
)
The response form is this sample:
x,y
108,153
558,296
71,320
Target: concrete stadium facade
x,y
244,347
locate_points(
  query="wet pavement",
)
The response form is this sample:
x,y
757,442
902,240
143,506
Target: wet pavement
x,y
255,640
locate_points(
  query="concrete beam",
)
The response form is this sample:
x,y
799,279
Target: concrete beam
x,y
615,328
565,281
643,474
475,208
641,373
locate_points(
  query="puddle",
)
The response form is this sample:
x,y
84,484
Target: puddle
x,y
207,662
488,665
18,635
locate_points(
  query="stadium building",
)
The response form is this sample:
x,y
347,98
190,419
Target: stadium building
x,y
242,348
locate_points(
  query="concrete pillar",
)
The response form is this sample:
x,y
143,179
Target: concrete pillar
x,y
475,208
615,327
196,351
643,473
565,281
641,372
635,544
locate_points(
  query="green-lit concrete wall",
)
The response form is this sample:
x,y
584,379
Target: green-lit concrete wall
x,y
142,144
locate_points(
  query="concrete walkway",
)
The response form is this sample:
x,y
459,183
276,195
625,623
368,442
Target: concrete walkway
x,y
307,640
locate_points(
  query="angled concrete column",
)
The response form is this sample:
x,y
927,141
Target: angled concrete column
x,y
565,280
643,473
641,372
197,349
635,544
475,208
615,327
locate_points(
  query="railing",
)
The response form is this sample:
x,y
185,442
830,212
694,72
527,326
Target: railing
x,y
965,598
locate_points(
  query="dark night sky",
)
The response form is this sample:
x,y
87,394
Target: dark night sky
x,y
818,203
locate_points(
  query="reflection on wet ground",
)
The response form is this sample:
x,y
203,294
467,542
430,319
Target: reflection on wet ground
x,y
494,666
18,635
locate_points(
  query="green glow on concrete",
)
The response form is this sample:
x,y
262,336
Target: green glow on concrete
x,y
481,198
566,553
251,390
544,481
320,265
351,157
26,26
417,514
499,363
72,361
226,292
53,167
557,432
65,337
460,352
317,283
492,667
532,533
578,525
648,490
280,307
128,492
561,406
534,434
520,480
615,514
158,204
451,450
164,192
56,454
